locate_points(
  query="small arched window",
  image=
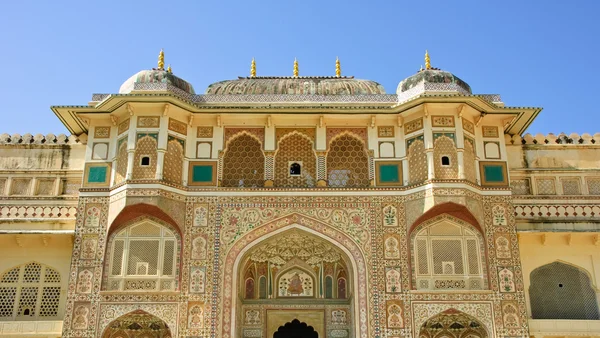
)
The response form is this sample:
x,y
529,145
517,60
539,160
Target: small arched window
x,y
448,255
29,291
143,257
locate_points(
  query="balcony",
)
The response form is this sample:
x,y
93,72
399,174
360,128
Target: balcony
x,y
31,328
563,327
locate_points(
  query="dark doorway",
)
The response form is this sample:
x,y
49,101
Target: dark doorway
x,y
296,329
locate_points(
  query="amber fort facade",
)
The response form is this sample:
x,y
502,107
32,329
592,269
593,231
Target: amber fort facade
x,y
299,206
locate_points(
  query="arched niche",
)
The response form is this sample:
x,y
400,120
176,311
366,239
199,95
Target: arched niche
x,y
236,255
137,323
453,323
562,291
295,264
448,254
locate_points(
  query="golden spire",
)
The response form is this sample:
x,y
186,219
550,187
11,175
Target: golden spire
x,y
169,70
296,72
338,67
253,68
427,61
161,60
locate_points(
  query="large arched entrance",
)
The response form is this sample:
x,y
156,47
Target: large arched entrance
x,y
295,329
452,323
295,268
137,324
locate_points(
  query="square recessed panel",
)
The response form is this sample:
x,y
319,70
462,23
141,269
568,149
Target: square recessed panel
x,y
202,173
389,173
97,175
493,173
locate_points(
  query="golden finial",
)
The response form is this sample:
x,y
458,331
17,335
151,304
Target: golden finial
x,y
296,72
253,68
169,70
338,67
161,60
427,61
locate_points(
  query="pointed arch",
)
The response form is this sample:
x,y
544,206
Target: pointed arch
x,y
243,161
234,255
145,229
139,321
297,148
560,290
453,323
348,161
448,253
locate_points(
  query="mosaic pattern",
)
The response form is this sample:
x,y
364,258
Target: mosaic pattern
x,y
148,121
546,186
417,162
359,225
204,132
146,146
295,148
571,186
121,168
123,126
593,185
470,162
412,126
347,163
444,147
177,126
442,121
173,167
102,132
385,131
243,162
468,126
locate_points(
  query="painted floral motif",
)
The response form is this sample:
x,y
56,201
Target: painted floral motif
x,y
502,246
392,280
197,279
201,216
510,314
506,278
88,247
80,318
339,317
394,315
84,281
352,221
252,317
392,247
390,218
92,217
499,215
199,248
195,317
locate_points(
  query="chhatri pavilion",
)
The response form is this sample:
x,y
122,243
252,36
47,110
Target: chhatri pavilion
x,y
299,206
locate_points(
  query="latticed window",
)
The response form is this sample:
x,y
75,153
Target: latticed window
x,y
143,257
347,163
29,292
562,291
243,163
448,256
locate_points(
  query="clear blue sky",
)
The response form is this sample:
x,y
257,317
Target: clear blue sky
x,y
533,53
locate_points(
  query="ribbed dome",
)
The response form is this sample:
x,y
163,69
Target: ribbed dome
x,y
303,85
434,79
155,76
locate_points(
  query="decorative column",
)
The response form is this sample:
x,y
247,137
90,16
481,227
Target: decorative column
x,y
428,138
460,144
131,140
269,168
322,169
163,136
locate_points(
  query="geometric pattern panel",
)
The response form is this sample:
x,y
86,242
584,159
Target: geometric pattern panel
x,y
294,149
347,163
243,163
